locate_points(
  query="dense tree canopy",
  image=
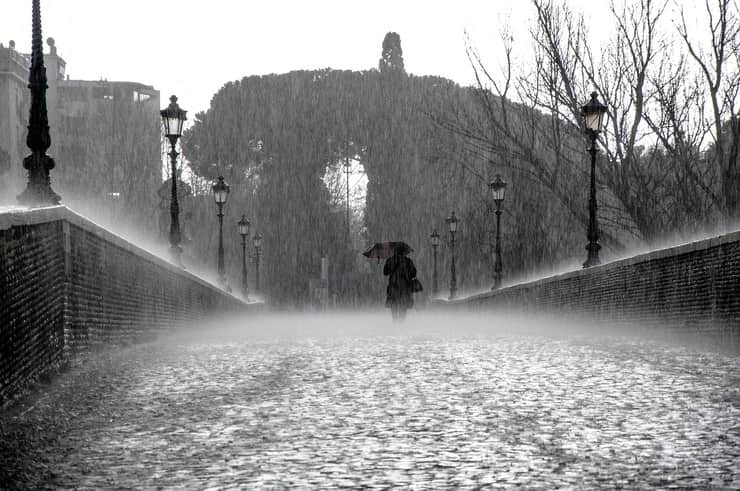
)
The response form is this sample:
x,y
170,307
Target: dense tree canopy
x,y
273,137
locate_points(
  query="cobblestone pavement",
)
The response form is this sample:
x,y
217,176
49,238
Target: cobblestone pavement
x,y
339,402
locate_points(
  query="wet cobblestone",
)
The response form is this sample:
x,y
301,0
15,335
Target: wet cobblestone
x,y
339,403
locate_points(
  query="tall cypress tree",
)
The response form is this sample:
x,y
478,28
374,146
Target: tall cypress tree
x,y
391,60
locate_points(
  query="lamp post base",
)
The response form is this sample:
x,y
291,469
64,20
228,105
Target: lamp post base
x,y
224,283
591,262
38,196
38,192
176,254
593,255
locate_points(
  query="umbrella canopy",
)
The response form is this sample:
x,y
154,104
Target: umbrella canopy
x,y
384,250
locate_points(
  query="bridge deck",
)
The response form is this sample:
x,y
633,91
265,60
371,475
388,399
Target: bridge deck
x,y
328,401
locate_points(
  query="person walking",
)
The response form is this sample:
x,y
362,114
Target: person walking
x,y
401,274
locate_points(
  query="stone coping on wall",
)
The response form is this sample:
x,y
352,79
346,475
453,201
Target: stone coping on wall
x,y
699,245
19,216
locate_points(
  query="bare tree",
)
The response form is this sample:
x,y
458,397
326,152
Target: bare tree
x,y
671,132
540,136
718,64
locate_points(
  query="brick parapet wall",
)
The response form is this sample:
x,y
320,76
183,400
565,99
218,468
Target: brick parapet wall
x,y
31,303
695,284
67,285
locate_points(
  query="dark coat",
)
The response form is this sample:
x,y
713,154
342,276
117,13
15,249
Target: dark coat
x,y
400,271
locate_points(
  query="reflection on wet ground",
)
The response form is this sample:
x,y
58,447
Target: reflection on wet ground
x,y
358,402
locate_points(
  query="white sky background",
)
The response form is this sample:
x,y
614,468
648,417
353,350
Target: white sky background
x,y
192,47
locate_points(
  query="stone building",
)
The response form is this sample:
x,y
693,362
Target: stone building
x,y
14,103
105,139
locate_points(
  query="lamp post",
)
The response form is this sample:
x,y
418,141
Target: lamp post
x,y
38,192
244,232
498,190
173,119
593,117
257,241
220,194
452,224
435,246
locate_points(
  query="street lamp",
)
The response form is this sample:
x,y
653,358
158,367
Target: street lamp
x,y
220,194
257,241
593,118
435,246
244,232
173,119
498,190
452,224
38,192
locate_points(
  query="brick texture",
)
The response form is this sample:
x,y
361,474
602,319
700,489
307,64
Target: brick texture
x,y
66,286
31,303
696,285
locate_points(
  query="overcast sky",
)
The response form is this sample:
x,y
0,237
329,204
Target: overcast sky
x,y
192,47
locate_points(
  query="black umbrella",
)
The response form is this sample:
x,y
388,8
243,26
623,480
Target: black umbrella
x,y
384,250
